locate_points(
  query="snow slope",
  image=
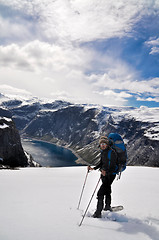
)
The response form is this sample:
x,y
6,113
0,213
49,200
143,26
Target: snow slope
x,y
41,204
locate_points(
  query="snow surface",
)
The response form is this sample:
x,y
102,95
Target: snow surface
x,y
152,133
41,204
3,126
6,119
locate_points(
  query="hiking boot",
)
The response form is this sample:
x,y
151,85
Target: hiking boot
x,y
97,215
107,208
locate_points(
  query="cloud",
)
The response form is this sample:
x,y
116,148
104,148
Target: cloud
x,y
44,68
16,28
45,47
58,71
121,83
114,97
82,21
136,87
154,45
119,75
65,96
37,56
12,91
149,99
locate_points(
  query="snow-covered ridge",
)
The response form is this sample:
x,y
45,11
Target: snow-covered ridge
x,y
46,106
143,113
153,132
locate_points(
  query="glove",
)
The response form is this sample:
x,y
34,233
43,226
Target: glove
x,y
103,173
120,168
90,168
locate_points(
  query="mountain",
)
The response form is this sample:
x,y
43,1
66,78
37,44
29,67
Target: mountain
x,y
79,126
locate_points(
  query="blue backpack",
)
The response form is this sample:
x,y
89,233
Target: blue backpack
x,y
117,143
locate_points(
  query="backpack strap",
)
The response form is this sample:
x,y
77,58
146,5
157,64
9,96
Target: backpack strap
x,y
109,158
109,154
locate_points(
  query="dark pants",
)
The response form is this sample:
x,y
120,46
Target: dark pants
x,y
105,191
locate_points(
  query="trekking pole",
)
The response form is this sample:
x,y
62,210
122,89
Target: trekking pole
x,y
83,189
119,176
89,203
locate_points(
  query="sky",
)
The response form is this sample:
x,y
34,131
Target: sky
x,y
88,51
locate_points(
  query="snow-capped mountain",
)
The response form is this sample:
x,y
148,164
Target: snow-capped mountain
x,y
79,126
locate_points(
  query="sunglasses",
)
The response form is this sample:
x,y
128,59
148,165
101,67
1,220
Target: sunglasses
x,y
103,144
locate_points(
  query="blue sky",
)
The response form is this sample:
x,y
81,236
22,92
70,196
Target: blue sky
x,y
102,52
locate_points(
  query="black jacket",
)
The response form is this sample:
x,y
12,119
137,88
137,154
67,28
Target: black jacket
x,y
108,161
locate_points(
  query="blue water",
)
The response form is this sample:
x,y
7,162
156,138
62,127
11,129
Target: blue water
x,y
49,155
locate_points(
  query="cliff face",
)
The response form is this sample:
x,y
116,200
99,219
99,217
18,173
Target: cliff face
x,y
11,151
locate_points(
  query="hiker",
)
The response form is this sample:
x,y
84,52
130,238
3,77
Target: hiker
x,y
108,167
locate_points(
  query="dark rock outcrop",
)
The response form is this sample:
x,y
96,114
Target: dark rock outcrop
x,y
11,151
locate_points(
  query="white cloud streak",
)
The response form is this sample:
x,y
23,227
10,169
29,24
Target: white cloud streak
x,y
132,85
81,21
5,89
38,56
154,45
111,96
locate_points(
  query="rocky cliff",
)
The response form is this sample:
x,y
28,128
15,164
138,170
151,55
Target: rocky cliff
x,y
11,151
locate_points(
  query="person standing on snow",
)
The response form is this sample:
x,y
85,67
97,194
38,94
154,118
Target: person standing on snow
x,y
108,166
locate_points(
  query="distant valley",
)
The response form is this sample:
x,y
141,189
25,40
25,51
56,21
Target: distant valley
x,y
79,126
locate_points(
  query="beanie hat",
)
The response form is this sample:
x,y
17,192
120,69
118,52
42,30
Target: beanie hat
x,y
104,139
